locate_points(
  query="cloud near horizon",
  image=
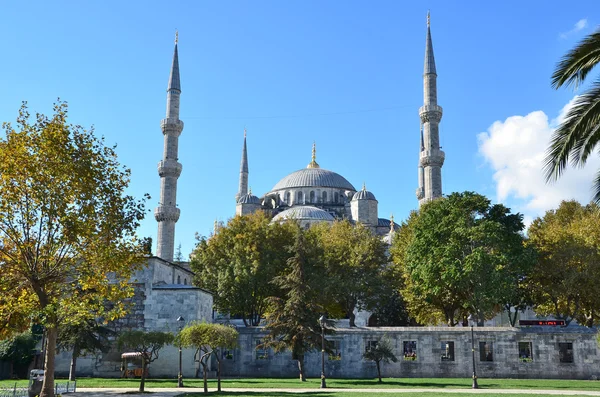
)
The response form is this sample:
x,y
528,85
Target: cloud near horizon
x,y
515,149
579,25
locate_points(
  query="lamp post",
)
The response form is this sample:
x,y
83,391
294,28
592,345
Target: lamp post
x,y
180,322
322,321
475,385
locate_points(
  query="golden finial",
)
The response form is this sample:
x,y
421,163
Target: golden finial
x,y
176,36
364,186
428,19
392,223
250,190
313,163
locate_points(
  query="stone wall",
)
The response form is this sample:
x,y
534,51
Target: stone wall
x,y
429,348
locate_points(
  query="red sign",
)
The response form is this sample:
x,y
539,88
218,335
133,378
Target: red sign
x,y
542,322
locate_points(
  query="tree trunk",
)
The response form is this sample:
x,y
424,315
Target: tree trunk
x,y
378,370
301,368
351,317
205,377
73,368
48,384
143,380
219,372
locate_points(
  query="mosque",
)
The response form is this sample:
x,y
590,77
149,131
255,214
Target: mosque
x,y
308,195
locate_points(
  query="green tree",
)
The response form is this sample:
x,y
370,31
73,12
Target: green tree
x,y
239,262
18,351
67,228
459,255
146,344
354,259
382,352
87,337
206,339
566,277
292,321
578,135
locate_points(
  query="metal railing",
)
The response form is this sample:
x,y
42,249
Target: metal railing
x,y
22,391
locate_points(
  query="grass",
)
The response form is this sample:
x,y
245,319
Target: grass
x,y
294,383
351,394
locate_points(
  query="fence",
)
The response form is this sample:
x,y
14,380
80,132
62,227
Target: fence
x,y
59,388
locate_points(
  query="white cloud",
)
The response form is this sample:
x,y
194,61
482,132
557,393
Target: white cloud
x,y
579,25
515,149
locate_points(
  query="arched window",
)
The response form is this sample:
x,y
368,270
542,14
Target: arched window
x,y
300,198
336,197
185,281
178,279
312,196
324,197
342,198
288,198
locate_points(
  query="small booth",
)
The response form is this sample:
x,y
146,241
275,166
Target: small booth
x,y
131,365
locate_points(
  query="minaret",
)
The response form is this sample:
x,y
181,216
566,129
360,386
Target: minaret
x,y
169,168
243,188
431,157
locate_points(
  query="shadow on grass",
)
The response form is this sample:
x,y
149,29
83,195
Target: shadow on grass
x,y
390,383
265,394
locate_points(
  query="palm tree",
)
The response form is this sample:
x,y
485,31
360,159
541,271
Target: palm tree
x,y
578,135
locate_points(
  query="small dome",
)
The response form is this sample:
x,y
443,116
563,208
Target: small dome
x,y
364,194
304,213
248,199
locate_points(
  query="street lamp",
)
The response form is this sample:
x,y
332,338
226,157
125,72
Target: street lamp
x,y
475,385
322,321
180,322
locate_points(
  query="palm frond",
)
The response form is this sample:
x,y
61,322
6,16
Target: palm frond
x,y
577,136
573,67
596,188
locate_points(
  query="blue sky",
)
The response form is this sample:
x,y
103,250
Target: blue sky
x,y
346,74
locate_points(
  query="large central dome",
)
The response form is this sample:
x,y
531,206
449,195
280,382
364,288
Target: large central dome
x,y
313,177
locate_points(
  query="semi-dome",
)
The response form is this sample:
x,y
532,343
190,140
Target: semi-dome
x,y
304,213
248,199
313,177
363,194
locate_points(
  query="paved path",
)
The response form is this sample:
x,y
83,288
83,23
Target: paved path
x,y
171,392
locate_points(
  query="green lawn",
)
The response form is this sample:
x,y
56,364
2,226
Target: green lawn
x,y
340,383
350,394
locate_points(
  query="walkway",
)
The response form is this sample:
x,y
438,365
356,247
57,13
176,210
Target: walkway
x,y
172,392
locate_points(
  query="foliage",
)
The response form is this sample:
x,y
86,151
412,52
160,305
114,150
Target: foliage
x,y
238,263
87,337
578,135
206,338
461,255
67,228
293,320
566,278
354,259
147,344
19,350
382,352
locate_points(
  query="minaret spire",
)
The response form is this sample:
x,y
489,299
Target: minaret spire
x,y
169,169
431,158
243,186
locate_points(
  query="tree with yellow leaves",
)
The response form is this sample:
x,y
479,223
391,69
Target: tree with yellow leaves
x,y
67,228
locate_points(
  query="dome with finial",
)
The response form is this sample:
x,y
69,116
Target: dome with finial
x,y
304,213
248,199
313,176
364,194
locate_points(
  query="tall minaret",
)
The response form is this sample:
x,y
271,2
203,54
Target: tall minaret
x,y
243,188
169,168
431,158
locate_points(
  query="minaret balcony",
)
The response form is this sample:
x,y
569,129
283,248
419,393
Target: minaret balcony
x,y
430,113
432,158
171,126
166,213
169,168
420,193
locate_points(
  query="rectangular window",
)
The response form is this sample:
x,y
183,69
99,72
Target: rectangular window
x,y
486,351
525,352
336,351
261,352
447,348
565,352
410,350
370,344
